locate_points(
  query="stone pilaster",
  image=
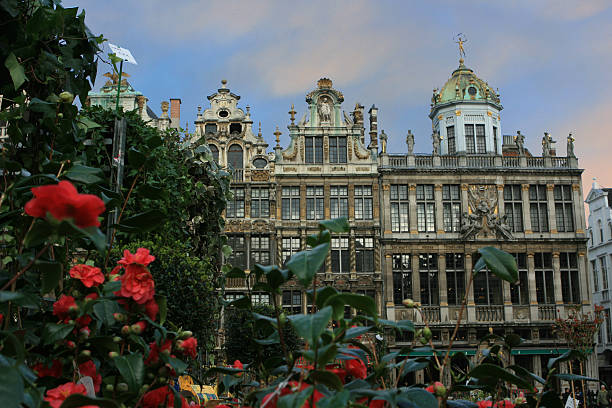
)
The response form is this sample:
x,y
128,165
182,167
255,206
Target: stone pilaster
x,y
439,209
416,283
386,208
351,202
501,210
533,295
471,306
578,209
557,279
583,278
550,200
412,208
327,205
376,200
302,201
526,209
465,206
443,287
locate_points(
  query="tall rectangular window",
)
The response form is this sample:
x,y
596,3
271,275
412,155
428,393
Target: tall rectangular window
x,y
495,139
399,208
290,246
238,255
481,144
470,144
455,278
450,134
292,301
402,278
340,262
564,208
364,254
604,272
363,202
426,208
538,207
235,206
313,149
513,206
260,202
519,292
338,201
595,276
428,273
337,149
260,250
451,206
315,203
545,282
291,203
487,287
570,287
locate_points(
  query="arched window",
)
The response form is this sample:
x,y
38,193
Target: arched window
x,y
601,237
234,156
215,152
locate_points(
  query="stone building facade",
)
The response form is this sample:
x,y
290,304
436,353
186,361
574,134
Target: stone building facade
x,y
599,232
417,220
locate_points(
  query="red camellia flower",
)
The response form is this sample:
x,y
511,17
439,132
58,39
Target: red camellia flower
x,y
151,309
162,397
56,396
504,404
83,321
340,372
43,370
154,351
141,257
188,346
88,275
356,368
137,283
62,306
92,296
271,399
63,201
88,368
485,404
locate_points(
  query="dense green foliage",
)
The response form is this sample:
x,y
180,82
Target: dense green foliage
x,y
242,331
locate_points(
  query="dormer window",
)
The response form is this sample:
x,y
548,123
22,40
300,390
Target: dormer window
x,y
472,91
223,114
475,139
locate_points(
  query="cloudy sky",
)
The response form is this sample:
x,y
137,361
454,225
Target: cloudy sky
x,y
550,59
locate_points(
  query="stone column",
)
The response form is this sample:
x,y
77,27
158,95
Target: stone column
x,y
388,279
279,203
533,295
376,200
550,200
352,254
442,287
416,284
557,279
412,209
385,199
583,278
247,251
302,201
247,201
526,210
508,312
501,210
351,202
326,203
578,209
464,199
439,209
279,249
471,306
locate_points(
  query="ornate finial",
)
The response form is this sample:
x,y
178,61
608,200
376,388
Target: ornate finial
x,y
292,113
248,112
324,83
164,107
460,39
223,83
277,133
259,133
199,109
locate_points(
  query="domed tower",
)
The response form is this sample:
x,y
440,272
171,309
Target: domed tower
x,y
465,113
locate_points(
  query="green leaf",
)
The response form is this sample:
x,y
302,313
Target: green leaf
x,y
79,400
356,332
316,239
295,400
104,310
412,366
85,174
568,355
488,371
226,250
136,158
54,332
339,399
418,397
460,403
92,233
162,303
403,325
38,234
305,264
142,222
311,326
336,225
480,265
85,123
178,365
11,387
274,338
131,368
322,295
16,70
502,264
27,300
326,378
359,302
51,272
575,377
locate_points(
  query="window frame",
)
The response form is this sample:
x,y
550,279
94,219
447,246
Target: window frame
x,y
290,196
538,208
451,208
364,254
402,277
400,207
455,277
515,204
313,149
259,202
236,206
564,209
429,279
544,274
338,201
426,208
363,202
340,255
315,202
337,149
256,250
570,278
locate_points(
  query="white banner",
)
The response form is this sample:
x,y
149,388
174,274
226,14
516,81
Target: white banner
x,y
123,53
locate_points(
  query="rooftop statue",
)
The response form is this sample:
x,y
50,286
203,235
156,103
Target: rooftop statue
x,y
519,140
570,146
383,142
436,143
410,142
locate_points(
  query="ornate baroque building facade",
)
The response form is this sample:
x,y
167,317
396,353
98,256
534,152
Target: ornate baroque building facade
x,y
417,220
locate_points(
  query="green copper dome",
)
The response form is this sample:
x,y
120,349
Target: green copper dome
x,y
463,86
